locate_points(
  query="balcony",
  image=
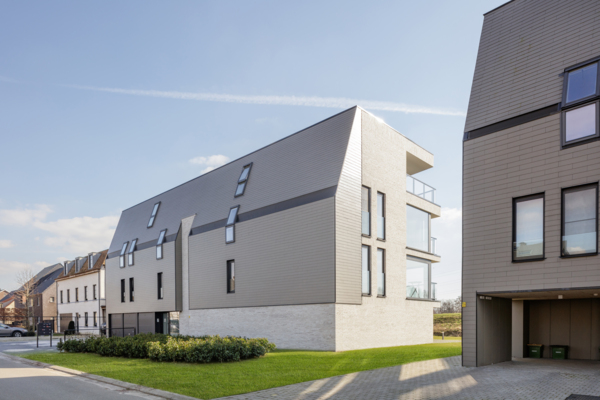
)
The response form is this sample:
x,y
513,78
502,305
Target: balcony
x,y
416,290
420,189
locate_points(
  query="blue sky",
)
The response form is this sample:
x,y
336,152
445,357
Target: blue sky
x,y
105,104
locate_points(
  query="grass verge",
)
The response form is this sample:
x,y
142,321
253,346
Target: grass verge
x,y
282,367
452,338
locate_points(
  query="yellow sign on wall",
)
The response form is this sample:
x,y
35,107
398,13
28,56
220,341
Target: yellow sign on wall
x,y
464,304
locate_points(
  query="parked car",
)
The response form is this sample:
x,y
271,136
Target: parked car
x,y
6,330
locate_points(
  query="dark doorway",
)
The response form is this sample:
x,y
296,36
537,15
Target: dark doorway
x,y
162,322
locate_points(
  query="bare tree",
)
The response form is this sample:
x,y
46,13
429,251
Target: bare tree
x,y
449,306
25,278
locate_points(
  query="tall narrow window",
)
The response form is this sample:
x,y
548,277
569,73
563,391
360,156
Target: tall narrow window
x,y
61,296
230,225
366,210
131,290
95,318
90,261
122,255
243,180
159,247
380,215
85,293
579,104
76,294
579,220
159,285
122,291
580,123
231,276
366,270
380,272
153,216
130,253
417,278
68,295
528,228
417,229
94,292
86,318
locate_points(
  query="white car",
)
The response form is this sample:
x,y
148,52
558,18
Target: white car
x,y
6,330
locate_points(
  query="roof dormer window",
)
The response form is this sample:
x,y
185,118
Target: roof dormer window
x,y
130,253
122,255
153,216
243,180
230,225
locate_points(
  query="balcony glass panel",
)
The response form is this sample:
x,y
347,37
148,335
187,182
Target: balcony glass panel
x,y
366,223
420,189
417,279
417,229
366,271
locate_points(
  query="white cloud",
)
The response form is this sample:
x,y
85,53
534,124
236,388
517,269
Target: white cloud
x,y
24,216
6,244
9,270
211,162
447,274
306,101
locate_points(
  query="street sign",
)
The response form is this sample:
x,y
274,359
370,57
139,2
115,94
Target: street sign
x,y
45,328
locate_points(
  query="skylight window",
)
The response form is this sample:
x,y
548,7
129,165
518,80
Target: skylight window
x,y
122,255
243,180
230,226
161,240
153,216
131,250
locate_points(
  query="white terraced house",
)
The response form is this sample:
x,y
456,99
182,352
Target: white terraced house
x,y
320,240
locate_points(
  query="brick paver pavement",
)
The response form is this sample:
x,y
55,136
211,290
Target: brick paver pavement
x,y
445,379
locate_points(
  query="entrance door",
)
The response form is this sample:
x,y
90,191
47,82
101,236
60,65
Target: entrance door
x,y
162,322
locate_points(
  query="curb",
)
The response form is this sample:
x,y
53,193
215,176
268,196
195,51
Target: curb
x,y
114,382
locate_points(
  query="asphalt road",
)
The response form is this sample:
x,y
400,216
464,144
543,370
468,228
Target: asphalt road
x,y
26,345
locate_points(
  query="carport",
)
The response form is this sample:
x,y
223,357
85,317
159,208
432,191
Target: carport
x,y
508,321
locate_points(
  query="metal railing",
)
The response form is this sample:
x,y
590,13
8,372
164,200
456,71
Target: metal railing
x,y
433,286
420,189
432,247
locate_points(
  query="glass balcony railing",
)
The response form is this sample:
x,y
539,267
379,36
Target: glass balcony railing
x,y
420,189
416,290
366,223
433,285
433,243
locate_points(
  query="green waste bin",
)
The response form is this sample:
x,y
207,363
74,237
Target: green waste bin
x,y
559,352
535,350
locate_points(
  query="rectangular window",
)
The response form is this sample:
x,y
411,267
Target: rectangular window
x,y
159,285
417,278
131,290
122,291
130,254
231,276
61,296
380,272
159,248
528,228
122,255
94,292
366,270
582,83
68,295
85,293
580,123
230,225
153,216
417,229
86,319
76,294
366,210
95,318
579,220
380,215
243,180
90,261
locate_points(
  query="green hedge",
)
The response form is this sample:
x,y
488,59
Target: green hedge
x,y
159,347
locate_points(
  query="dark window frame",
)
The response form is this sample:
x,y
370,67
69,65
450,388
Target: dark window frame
x,y
383,214
562,219
231,225
230,276
130,253
85,318
123,290
368,268
585,139
85,297
68,295
76,294
153,215
122,255
159,244
243,181
131,290
368,208
384,271
94,292
516,200
429,277
95,318
159,286
61,297
566,73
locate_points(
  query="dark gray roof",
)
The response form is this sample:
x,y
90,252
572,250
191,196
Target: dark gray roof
x,y
46,281
47,271
302,163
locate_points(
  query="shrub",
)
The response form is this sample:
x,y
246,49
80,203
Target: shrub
x,y
159,347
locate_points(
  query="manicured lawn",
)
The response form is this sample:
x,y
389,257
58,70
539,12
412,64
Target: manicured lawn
x,y
282,367
448,338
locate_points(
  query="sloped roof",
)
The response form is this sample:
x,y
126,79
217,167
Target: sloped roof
x,y
99,259
305,162
46,281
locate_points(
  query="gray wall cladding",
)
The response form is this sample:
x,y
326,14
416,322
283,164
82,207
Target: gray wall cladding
x,y
144,271
305,162
283,258
524,46
348,222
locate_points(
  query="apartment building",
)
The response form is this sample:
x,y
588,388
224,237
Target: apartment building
x,y
531,270
42,301
80,291
320,240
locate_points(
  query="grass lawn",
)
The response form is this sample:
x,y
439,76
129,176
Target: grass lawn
x,y
282,367
448,338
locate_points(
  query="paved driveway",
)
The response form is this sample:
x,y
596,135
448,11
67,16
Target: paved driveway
x,y
445,379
